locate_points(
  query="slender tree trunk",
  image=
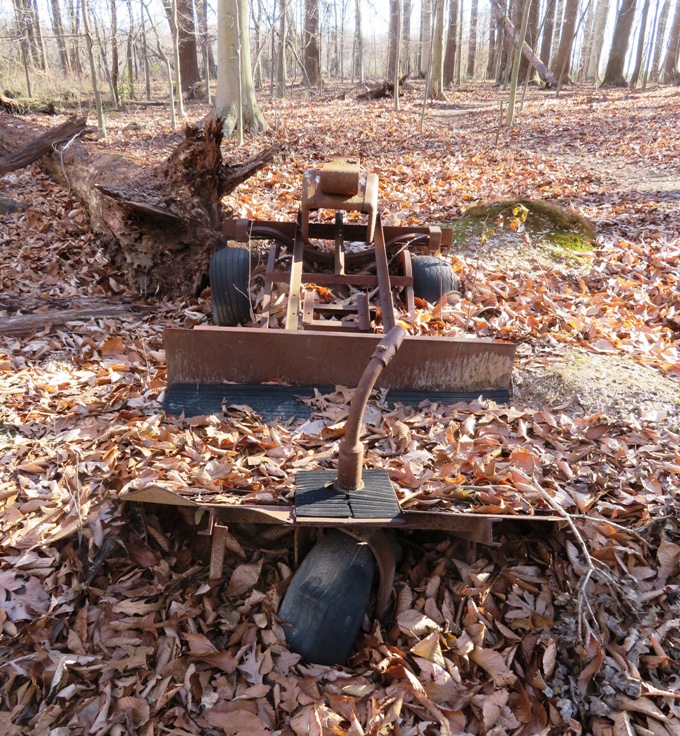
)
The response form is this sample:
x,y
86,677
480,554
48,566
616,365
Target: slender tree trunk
x,y
557,33
257,23
472,44
613,76
517,56
493,46
601,13
397,57
145,52
561,66
548,30
311,54
459,44
659,39
58,28
436,87
114,53
281,71
671,72
531,38
425,35
74,22
93,70
512,34
587,44
406,36
130,61
640,46
451,44
392,39
358,68
39,42
232,38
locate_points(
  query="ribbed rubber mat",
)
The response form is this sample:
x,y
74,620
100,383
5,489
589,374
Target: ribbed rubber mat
x,y
272,401
315,496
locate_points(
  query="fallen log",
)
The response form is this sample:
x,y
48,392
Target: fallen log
x,y
25,323
543,71
23,105
159,223
386,89
38,147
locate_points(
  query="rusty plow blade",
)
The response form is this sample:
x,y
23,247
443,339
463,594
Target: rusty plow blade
x,y
209,367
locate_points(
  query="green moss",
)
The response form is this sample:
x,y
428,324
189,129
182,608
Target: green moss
x,y
545,223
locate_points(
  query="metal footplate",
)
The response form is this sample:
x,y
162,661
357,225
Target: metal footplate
x,y
377,502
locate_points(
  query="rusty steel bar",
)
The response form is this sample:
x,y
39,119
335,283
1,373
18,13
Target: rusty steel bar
x,y
293,310
285,232
351,453
384,286
332,279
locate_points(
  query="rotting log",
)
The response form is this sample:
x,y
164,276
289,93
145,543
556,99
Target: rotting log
x,y
161,223
386,89
38,146
544,72
24,323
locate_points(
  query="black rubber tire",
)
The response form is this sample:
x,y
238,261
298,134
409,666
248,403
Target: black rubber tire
x,y
229,281
327,598
433,278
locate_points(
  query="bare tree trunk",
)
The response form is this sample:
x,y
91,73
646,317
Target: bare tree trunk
x,y
145,53
517,56
557,33
601,13
114,53
472,43
93,70
659,39
493,46
397,57
130,62
74,22
392,39
39,42
436,86
543,71
425,35
406,36
531,38
587,44
451,44
207,59
311,53
548,30
186,38
613,76
282,72
640,45
233,42
58,28
561,66
358,66
671,71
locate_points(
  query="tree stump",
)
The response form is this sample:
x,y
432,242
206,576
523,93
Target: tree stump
x,y
159,224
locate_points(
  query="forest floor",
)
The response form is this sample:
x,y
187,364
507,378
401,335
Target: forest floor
x,y
110,623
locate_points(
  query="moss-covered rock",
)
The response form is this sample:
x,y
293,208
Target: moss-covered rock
x,y
557,232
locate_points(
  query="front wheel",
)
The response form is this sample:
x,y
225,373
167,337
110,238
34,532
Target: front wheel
x,y
229,282
433,278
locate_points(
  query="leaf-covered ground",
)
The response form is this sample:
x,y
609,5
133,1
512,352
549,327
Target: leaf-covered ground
x,y
109,621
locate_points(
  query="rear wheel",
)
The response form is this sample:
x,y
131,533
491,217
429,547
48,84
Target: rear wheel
x,y
433,278
229,281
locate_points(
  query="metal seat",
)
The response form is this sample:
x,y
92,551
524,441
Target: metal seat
x,y
340,185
